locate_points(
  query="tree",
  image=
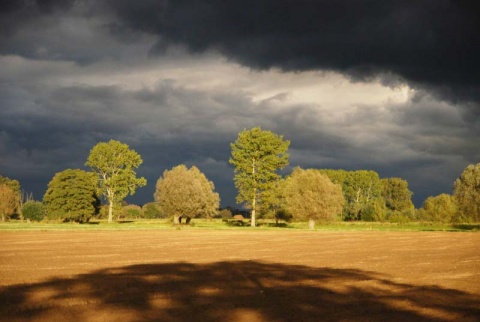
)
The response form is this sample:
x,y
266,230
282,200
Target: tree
x,y
256,156
33,210
72,195
361,189
313,196
186,192
9,201
152,210
115,164
396,194
441,208
10,197
466,192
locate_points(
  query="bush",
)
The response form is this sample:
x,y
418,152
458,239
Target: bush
x,y
33,210
398,217
132,212
153,210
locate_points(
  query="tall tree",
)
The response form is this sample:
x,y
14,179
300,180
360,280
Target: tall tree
x,y
256,156
312,195
396,194
72,195
186,192
466,192
9,201
115,164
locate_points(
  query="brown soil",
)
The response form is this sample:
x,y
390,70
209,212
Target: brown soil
x,y
239,276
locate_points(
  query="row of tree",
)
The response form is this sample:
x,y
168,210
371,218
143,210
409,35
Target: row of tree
x,y
257,157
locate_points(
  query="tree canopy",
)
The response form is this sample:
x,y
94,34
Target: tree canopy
x,y
467,192
312,195
72,195
115,164
396,194
186,192
9,201
256,156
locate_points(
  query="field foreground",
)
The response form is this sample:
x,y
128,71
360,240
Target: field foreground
x,y
239,276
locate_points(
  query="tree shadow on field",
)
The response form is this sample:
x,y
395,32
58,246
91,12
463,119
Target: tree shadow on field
x,y
232,291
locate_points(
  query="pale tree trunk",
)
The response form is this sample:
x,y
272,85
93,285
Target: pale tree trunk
x,y
110,212
254,204
311,224
175,219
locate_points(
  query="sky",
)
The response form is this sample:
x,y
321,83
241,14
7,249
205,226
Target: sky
x,y
389,86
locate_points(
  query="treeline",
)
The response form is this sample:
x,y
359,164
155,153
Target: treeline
x,y
183,193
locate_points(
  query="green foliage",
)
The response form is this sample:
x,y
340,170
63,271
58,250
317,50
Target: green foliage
x,y
12,183
225,214
72,196
115,164
396,194
312,195
256,156
398,217
441,208
467,193
33,210
361,190
153,210
186,192
132,212
9,201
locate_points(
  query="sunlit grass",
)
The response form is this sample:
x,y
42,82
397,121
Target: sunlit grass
x,y
218,224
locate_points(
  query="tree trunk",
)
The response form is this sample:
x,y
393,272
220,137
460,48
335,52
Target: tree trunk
x,y
311,224
110,212
176,219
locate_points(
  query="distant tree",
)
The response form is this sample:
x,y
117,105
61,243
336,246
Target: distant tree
x,y
313,196
396,194
186,192
362,191
256,156
72,195
466,192
33,210
153,210
441,208
115,164
132,212
12,183
9,201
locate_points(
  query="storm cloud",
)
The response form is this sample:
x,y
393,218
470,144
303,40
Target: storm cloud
x,y
388,86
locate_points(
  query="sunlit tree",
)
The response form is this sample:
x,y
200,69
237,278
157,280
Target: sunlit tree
x,y
467,192
115,164
313,196
72,195
186,192
256,156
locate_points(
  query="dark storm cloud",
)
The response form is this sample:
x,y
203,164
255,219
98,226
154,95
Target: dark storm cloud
x,y
428,43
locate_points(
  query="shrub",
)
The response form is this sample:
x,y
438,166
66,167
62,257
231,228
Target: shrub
x,y
33,210
132,212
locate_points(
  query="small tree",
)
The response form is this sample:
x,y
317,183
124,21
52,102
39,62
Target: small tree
x,y
115,164
186,192
256,156
33,210
441,208
396,194
9,201
153,210
72,195
313,196
466,192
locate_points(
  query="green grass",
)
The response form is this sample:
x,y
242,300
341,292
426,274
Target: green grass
x,y
217,224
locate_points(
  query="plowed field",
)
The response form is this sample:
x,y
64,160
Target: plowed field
x,y
194,275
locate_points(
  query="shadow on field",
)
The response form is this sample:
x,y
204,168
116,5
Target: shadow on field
x,y
232,291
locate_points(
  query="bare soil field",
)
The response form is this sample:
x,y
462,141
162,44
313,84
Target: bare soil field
x,y
239,276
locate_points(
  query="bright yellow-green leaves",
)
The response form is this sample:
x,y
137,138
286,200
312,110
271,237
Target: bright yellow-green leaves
x,y
72,195
312,195
467,192
256,156
187,192
115,164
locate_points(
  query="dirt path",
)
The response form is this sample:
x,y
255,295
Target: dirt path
x,y
239,276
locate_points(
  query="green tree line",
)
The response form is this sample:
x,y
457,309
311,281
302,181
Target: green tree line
x,y
257,157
